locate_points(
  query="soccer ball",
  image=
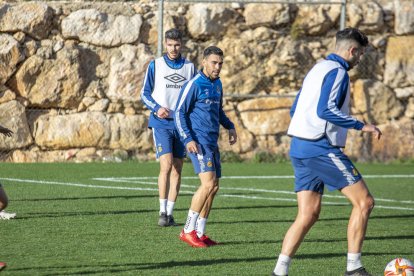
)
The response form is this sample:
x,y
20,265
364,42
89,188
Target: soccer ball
x,y
399,267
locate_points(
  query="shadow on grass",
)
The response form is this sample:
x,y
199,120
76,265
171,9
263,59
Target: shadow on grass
x,y
118,268
129,267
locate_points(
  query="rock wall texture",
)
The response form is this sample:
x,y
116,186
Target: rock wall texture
x,y
71,73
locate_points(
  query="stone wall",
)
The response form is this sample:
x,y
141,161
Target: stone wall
x,y
71,73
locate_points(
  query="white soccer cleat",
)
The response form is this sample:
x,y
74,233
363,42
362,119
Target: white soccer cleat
x,y
5,215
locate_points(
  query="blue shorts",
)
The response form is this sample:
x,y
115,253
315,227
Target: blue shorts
x,y
168,141
206,160
334,170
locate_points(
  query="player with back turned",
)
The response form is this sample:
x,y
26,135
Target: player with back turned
x,y
319,125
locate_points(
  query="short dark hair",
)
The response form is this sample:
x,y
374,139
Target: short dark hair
x,y
213,50
352,34
174,34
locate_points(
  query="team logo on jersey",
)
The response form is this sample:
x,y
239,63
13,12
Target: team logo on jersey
x,y
355,172
218,90
159,149
209,164
175,78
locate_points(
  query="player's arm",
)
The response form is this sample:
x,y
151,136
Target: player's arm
x,y
185,103
333,92
5,131
146,93
227,123
293,108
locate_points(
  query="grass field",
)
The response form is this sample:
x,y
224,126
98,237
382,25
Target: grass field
x,y
102,219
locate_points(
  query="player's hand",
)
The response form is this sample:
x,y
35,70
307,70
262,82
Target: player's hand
x,y
372,128
163,112
232,136
5,131
192,147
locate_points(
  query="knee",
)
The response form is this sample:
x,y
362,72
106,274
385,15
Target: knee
x,y
368,204
211,187
166,168
310,217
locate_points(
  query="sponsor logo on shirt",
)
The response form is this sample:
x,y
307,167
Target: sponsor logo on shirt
x,y
175,79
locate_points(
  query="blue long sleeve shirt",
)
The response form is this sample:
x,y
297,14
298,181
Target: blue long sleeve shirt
x,y
148,87
328,108
199,112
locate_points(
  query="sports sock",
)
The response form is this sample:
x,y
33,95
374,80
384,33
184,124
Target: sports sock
x,y
282,265
353,261
170,207
201,226
191,221
163,205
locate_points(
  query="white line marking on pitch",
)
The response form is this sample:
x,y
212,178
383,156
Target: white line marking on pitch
x,y
121,180
154,189
262,176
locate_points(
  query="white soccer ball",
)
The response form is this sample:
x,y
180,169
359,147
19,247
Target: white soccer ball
x,y
399,267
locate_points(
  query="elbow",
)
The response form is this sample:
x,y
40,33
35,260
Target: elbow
x,y
322,114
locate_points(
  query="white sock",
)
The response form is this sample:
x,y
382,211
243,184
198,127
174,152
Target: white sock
x,y
353,261
170,207
201,226
282,265
163,205
190,224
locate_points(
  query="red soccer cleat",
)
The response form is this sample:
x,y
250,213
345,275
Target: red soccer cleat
x,y
208,241
2,265
192,239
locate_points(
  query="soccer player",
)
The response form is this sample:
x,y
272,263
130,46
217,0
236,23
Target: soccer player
x,y
3,197
163,80
319,124
198,116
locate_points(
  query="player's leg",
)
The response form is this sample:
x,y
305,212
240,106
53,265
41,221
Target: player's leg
x,y
362,205
174,188
163,146
3,204
178,149
202,219
189,234
309,206
309,189
4,201
341,174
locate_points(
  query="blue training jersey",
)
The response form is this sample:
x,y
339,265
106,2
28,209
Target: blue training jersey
x,y
327,109
199,112
148,88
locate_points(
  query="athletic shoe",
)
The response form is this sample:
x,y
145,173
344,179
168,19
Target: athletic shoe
x,y
162,221
192,239
274,274
5,215
171,221
358,272
2,266
208,241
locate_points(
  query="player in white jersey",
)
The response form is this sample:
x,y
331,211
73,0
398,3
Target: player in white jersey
x,y
163,80
319,125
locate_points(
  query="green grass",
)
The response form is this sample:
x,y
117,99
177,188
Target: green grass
x,y
72,230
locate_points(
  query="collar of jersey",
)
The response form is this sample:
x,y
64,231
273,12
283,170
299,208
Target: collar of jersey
x,y
339,59
205,77
174,63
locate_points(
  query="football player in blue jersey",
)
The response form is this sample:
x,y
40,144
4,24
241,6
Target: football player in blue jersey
x,y
163,80
198,116
319,125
